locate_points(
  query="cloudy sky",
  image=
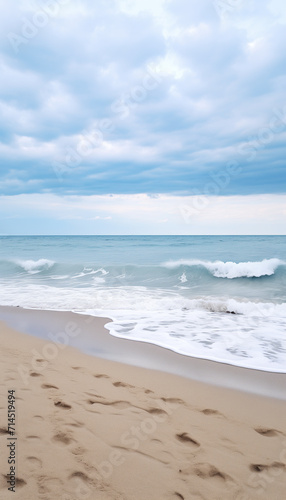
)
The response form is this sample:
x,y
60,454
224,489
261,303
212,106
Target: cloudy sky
x,y
142,116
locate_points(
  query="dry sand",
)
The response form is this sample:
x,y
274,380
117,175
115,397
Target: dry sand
x,y
91,428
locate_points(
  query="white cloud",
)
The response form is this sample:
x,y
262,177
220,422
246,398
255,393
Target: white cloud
x,y
214,85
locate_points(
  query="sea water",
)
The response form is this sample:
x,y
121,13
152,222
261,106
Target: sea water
x,y
214,297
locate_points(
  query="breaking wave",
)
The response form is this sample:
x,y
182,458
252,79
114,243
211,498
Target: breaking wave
x,y
35,266
231,270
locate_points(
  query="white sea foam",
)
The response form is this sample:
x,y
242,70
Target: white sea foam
x,y
203,327
87,272
231,270
138,299
35,266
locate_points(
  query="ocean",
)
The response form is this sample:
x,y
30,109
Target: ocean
x,y
214,297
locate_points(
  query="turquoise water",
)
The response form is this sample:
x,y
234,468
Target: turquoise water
x,y
216,297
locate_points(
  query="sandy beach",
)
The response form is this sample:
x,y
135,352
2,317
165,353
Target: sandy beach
x,y
90,427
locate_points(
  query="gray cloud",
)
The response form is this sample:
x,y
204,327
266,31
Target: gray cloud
x,y
168,100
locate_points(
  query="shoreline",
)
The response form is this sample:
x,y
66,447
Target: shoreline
x,y
89,427
91,337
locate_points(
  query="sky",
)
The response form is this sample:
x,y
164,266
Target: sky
x,y
142,117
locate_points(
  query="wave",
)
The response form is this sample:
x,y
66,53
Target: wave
x,y
139,300
88,271
231,270
192,277
238,331
240,307
35,266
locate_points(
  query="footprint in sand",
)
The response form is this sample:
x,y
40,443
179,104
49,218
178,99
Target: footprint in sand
x,y
94,395
209,411
267,432
79,450
33,463
49,386
20,482
260,468
122,384
118,404
171,404
47,485
61,404
207,471
101,375
35,374
185,438
157,411
3,483
173,401
62,438
80,475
